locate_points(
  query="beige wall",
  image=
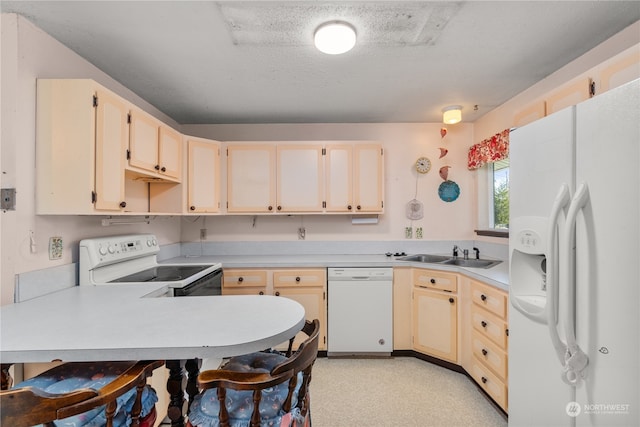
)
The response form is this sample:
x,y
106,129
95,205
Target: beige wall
x,y
28,53
403,144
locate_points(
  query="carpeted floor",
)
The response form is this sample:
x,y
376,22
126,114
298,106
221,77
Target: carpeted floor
x,y
390,392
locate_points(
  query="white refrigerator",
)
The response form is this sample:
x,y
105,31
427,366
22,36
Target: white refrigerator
x,y
574,253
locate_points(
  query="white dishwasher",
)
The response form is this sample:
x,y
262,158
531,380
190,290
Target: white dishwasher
x,y
360,311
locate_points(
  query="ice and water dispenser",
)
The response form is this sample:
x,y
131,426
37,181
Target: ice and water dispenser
x,y
528,260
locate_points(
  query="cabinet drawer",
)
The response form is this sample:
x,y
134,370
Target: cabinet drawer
x,y
244,290
435,280
300,277
489,298
490,326
489,382
242,278
490,354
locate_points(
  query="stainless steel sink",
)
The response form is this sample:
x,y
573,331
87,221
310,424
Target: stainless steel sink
x,y
473,263
428,258
448,260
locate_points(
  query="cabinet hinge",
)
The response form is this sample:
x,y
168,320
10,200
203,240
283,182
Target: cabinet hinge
x,y
95,100
382,203
324,204
94,196
592,88
382,151
324,297
324,339
128,154
129,118
324,151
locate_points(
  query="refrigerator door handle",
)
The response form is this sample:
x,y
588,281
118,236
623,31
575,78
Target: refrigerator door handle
x,y
575,360
561,201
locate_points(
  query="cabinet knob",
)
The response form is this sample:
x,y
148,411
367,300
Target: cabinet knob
x,y
433,281
484,380
349,207
270,208
279,208
261,293
484,352
484,324
193,208
123,204
163,169
277,294
451,300
483,297
297,279
157,167
358,207
240,279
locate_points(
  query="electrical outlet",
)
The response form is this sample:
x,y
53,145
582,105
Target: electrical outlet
x,y
419,233
301,233
55,247
203,234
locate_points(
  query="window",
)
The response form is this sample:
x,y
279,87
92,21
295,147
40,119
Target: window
x,y
499,203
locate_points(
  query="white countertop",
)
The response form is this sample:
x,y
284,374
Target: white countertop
x,y
117,322
497,276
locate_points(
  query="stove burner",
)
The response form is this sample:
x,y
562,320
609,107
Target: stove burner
x,y
168,273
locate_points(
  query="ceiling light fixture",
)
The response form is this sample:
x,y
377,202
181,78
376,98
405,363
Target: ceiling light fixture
x,y
452,114
335,37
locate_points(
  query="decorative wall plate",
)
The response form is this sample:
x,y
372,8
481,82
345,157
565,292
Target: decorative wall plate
x,y
415,209
448,191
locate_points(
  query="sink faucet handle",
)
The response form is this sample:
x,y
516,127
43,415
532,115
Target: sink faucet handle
x,y
477,252
455,250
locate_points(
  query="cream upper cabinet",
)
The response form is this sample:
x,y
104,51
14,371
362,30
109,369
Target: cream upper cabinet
x,y
368,178
354,178
339,178
251,178
154,148
81,135
204,176
300,183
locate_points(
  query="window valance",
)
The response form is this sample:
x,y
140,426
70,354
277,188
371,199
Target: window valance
x,y
490,150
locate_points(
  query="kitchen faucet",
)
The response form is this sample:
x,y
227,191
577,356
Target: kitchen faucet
x,y
465,252
455,251
477,252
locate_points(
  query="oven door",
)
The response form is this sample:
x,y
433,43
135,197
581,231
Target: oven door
x,y
211,284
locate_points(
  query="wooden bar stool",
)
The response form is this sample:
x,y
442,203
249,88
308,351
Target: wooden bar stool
x,y
106,393
232,395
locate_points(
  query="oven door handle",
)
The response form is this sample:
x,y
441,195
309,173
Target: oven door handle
x,y
208,285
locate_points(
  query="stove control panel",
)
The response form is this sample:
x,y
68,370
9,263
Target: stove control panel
x,y
103,251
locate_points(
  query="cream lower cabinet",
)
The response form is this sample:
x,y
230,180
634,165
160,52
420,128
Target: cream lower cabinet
x,y
308,286
488,337
435,314
81,135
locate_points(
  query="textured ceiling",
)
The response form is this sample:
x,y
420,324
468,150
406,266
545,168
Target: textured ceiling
x,y
253,62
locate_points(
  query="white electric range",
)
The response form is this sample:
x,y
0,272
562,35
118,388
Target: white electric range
x,y
133,259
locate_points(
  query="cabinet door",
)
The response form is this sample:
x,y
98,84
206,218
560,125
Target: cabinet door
x,y
170,152
251,178
143,141
112,133
313,299
435,324
204,176
368,178
339,178
300,185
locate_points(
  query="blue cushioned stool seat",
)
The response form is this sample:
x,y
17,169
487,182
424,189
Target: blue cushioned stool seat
x,y
69,377
206,406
